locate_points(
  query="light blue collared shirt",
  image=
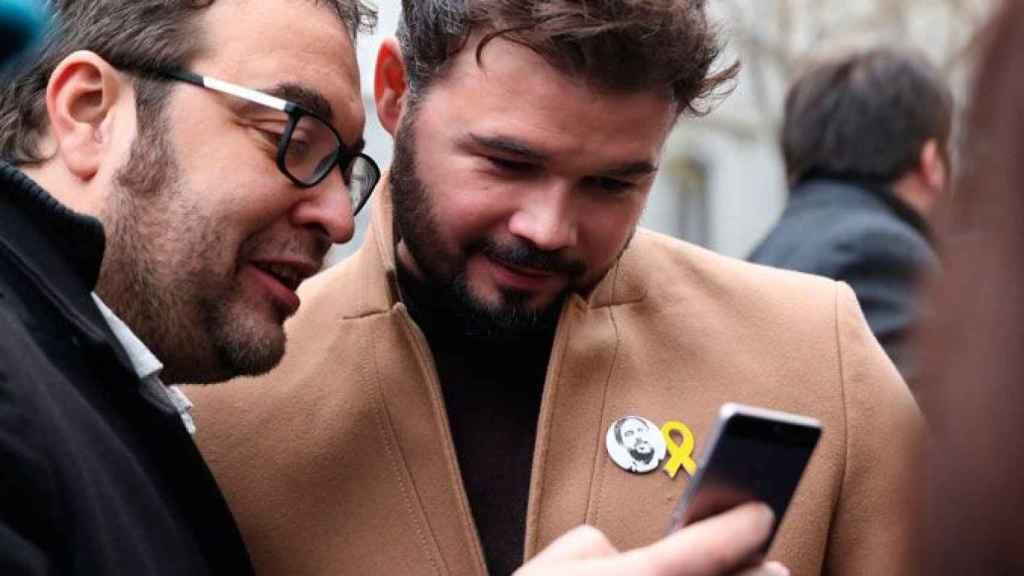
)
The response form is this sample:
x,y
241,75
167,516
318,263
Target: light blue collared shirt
x,y
148,367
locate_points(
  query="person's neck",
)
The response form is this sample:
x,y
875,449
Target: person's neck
x,y
915,195
78,196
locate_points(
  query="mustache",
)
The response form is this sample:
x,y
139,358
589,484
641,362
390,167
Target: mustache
x,y
311,247
525,256
320,244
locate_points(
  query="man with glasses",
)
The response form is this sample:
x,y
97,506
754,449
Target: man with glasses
x,y
447,398
172,171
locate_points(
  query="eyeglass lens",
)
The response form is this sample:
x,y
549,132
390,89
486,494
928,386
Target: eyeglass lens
x,y
360,178
312,151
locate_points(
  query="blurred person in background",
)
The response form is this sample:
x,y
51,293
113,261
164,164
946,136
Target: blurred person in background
x,y
972,366
865,139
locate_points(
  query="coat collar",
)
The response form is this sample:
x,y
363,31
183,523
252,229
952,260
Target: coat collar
x,y
376,264
46,228
59,250
823,189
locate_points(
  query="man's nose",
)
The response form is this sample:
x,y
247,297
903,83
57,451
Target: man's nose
x,y
327,206
547,217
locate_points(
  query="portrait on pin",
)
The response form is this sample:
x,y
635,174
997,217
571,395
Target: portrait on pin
x,y
635,444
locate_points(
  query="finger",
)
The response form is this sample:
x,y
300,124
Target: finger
x,y
766,569
580,542
718,545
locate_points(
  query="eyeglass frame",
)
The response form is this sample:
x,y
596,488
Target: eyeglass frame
x,y
295,113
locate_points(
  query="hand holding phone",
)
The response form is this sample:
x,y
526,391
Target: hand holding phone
x,y
721,546
754,454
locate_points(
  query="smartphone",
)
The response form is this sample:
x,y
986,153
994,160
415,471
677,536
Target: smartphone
x,y
754,454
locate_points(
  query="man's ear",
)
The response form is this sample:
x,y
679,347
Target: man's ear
x,y
933,166
80,98
390,85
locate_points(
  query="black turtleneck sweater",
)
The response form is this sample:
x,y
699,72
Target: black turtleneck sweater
x,y
492,391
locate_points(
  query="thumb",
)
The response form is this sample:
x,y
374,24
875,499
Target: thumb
x,y
578,543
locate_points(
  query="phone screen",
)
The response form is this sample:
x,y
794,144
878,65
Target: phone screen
x,y
755,455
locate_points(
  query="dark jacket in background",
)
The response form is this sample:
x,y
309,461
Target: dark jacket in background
x,y
94,478
865,237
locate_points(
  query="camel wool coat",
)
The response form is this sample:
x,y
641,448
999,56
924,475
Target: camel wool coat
x,y
340,460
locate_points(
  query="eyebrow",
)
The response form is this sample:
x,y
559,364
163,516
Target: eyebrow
x,y
304,96
526,152
640,168
313,101
509,146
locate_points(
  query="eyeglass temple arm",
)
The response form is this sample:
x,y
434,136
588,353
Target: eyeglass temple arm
x,y
229,88
184,76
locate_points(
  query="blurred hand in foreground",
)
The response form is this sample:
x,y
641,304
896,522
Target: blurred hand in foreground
x,y
718,546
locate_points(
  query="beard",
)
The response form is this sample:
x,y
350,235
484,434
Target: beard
x,y
644,456
444,269
160,275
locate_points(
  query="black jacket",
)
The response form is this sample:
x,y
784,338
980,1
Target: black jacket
x,y
94,478
866,237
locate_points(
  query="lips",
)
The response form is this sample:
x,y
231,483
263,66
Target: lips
x,y
281,278
531,272
520,278
287,275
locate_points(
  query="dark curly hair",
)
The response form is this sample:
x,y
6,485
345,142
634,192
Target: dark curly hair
x,y
618,45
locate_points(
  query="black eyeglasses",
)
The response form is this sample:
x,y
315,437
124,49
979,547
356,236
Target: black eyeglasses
x,y
308,148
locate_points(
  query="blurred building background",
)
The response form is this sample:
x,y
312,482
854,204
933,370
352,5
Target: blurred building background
x,y
722,183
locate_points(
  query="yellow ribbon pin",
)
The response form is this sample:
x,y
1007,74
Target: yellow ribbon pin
x,y
681,455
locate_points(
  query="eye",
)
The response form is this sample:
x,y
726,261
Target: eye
x,y
304,147
513,166
611,186
298,146
272,137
